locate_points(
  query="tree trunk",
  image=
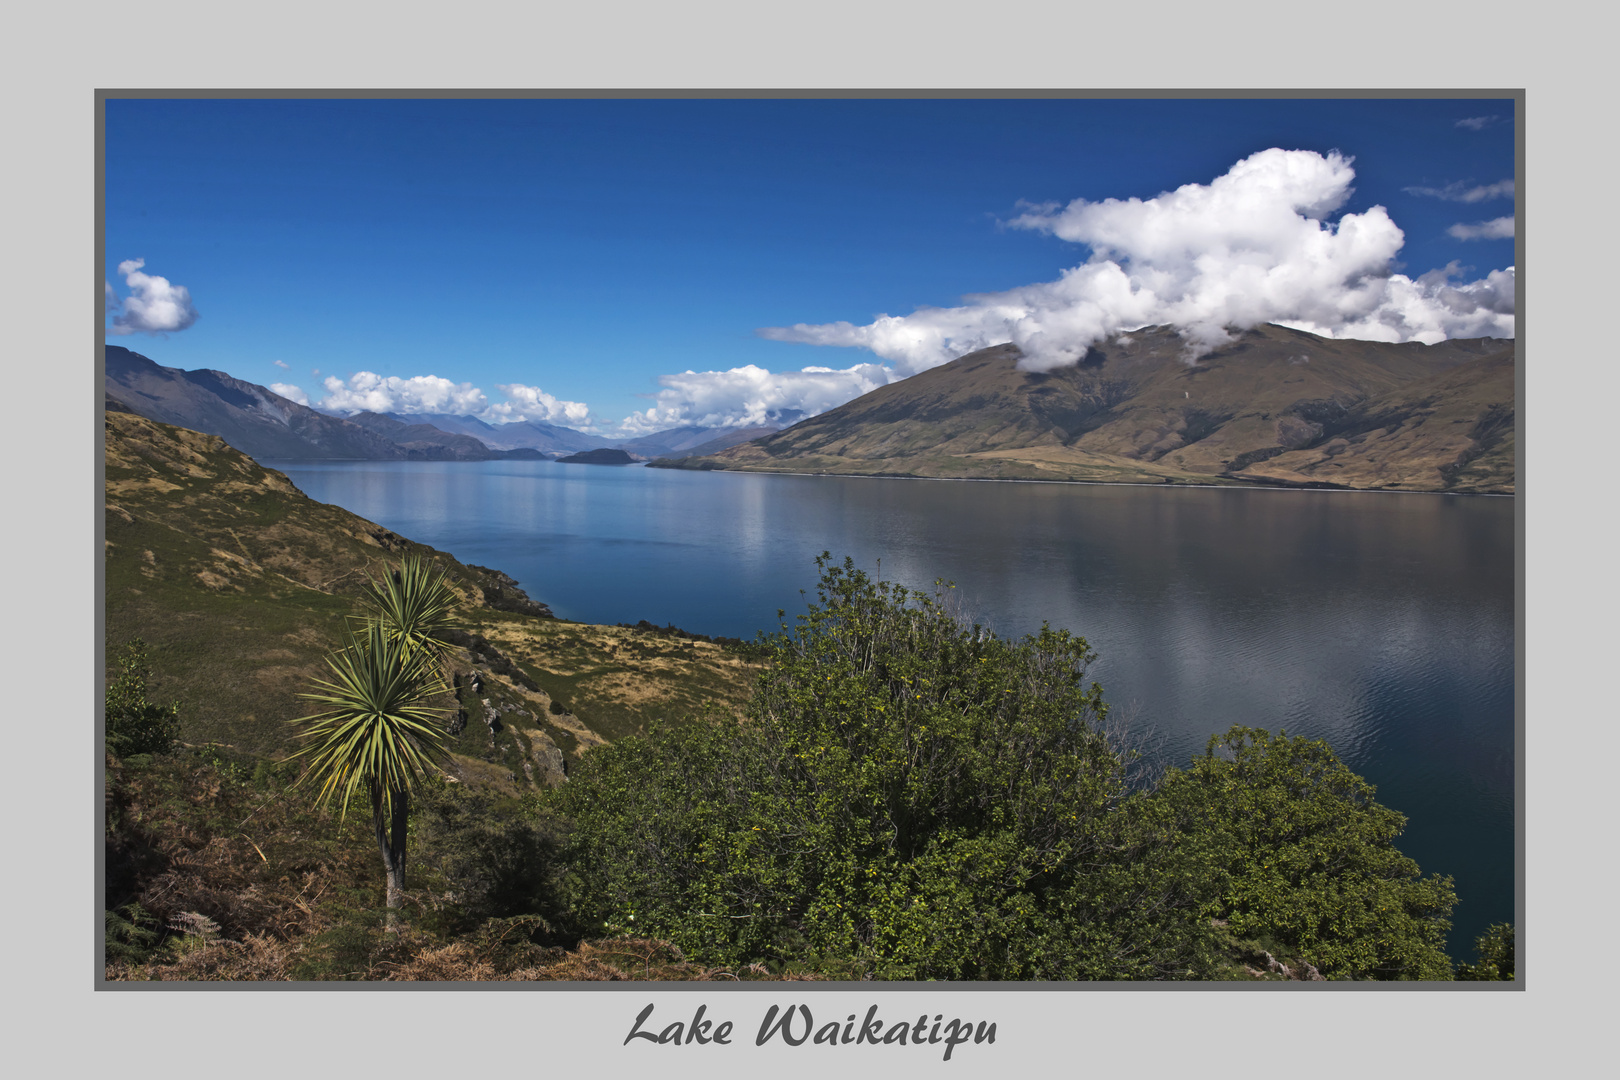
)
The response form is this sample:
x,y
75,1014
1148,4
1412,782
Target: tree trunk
x,y
391,843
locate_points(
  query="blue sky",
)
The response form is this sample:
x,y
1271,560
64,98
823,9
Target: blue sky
x,y
592,251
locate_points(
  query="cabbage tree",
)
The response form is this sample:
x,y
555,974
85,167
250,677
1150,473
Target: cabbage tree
x,y
380,731
414,603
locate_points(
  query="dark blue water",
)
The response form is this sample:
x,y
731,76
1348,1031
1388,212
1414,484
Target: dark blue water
x,y
1383,623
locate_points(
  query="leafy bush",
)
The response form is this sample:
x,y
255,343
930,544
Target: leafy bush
x,y
134,724
1495,949
907,792
1311,858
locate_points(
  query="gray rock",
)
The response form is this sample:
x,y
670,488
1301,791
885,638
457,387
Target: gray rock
x,y
548,759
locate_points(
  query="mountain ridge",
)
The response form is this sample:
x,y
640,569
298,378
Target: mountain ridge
x,y
264,424
1275,407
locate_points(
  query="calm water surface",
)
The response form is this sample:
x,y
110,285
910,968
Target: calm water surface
x,y
1383,623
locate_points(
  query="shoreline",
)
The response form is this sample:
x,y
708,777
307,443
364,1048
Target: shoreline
x,y
1095,483
281,465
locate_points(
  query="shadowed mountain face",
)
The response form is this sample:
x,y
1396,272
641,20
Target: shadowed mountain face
x,y
546,438
684,441
249,417
453,425
428,442
1277,406
717,442
550,439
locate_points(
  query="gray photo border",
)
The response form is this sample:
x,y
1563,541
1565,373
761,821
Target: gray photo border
x,y
659,991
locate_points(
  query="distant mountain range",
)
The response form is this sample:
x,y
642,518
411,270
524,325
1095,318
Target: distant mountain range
x,y
1277,406
269,427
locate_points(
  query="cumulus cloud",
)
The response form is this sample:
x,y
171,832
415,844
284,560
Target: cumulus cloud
x,y
1433,308
1495,229
366,391
1466,191
1258,244
369,392
1477,123
282,364
153,306
532,403
290,392
751,396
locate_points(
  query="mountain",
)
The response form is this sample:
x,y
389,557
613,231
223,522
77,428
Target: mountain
x,y
429,442
255,420
1276,406
686,441
732,437
546,438
455,425
267,426
550,439
539,438
263,424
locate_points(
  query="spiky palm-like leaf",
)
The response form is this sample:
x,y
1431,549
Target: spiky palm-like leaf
x,y
414,603
380,729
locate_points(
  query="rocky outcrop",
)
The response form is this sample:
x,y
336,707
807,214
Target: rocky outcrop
x,y
501,592
550,766
482,652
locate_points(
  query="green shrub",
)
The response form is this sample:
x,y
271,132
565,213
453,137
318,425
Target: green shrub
x,y
134,724
1495,949
1311,859
907,792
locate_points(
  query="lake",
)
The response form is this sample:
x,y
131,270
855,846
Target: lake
x,y
1380,622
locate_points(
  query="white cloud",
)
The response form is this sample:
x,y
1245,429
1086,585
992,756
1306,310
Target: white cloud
x,y
1477,123
1255,245
1495,229
1432,308
153,306
421,393
368,391
1461,191
532,403
290,392
282,364
751,396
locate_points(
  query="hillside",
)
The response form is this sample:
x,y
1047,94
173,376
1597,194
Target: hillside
x,y
240,584
1277,406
